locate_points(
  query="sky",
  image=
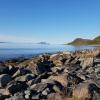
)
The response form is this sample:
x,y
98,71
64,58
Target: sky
x,y
52,21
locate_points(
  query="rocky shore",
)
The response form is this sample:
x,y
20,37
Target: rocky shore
x,y
61,76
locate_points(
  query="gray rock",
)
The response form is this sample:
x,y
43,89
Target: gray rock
x,y
45,92
24,78
89,70
67,61
27,96
97,69
38,87
4,92
16,74
65,70
35,97
87,62
45,81
55,69
21,71
74,61
81,76
17,96
27,92
41,76
5,79
56,89
98,75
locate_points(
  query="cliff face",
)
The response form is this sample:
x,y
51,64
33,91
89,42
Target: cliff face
x,y
80,41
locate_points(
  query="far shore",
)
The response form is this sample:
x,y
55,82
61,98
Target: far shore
x,y
82,45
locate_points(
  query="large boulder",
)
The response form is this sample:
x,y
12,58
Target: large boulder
x,y
4,70
15,87
5,79
44,66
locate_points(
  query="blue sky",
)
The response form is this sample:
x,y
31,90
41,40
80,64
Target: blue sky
x,y
53,21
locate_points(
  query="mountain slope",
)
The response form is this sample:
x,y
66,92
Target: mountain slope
x,y
80,41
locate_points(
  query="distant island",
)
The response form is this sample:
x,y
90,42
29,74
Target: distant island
x,y
80,41
3,42
44,43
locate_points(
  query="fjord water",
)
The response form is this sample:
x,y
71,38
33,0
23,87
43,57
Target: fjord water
x,y
15,50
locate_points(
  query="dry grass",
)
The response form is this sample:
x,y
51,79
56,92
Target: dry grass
x,y
81,92
61,79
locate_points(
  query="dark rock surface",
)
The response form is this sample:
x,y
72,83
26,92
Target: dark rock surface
x,y
61,76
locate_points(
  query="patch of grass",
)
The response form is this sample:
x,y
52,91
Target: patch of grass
x,y
75,98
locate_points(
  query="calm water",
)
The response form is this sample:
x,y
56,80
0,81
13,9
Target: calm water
x,y
12,50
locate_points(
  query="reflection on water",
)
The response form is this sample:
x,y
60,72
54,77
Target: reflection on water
x,y
11,50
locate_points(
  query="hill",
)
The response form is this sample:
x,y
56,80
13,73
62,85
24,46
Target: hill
x,y
44,43
80,41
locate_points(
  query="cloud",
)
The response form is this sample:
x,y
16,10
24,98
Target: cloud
x,y
10,38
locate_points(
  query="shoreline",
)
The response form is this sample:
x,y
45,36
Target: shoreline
x,y
30,56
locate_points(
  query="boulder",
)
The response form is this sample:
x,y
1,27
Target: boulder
x,y
4,70
17,87
48,81
12,70
38,87
27,94
44,66
56,69
17,73
35,97
16,96
57,60
5,79
24,78
81,76
21,71
54,56
5,92
40,77
56,89
60,78
87,62
45,92
58,63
